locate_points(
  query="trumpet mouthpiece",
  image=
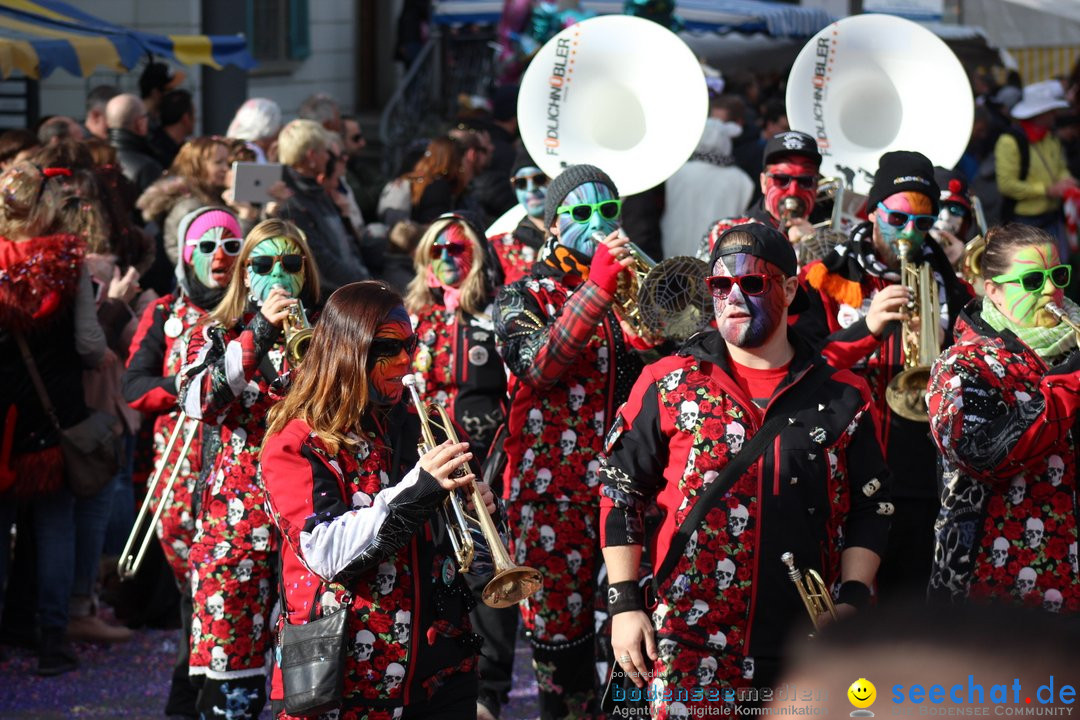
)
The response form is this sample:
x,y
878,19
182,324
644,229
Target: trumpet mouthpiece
x,y
409,380
788,559
1054,310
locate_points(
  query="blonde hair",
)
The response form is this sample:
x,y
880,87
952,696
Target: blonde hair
x,y
474,293
231,308
297,138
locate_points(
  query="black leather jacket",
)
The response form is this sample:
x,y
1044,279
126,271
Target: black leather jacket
x,y
135,158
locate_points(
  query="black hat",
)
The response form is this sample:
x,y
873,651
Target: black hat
x,y
522,159
158,76
791,142
903,171
570,178
768,244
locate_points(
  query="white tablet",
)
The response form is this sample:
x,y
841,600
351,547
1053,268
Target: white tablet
x,y
252,181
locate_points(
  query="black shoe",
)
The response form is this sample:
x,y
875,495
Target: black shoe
x,y
55,656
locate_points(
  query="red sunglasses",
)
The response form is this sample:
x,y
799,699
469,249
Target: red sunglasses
x,y
750,284
455,249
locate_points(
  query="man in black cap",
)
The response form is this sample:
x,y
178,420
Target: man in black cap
x,y
857,300
750,446
518,249
789,185
572,365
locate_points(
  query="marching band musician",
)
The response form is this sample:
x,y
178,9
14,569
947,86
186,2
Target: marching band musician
x,y
209,240
813,484
233,358
856,301
1003,402
517,250
572,364
790,177
358,516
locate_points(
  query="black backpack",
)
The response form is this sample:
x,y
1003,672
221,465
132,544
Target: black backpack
x,y
1008,205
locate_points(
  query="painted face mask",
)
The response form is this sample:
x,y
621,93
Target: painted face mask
x,y
390,357
746,319
275,262
903,216
451,257
589,208
1023,306
214,256
530,187
795,179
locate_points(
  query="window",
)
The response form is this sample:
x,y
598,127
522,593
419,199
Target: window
x,y
278,34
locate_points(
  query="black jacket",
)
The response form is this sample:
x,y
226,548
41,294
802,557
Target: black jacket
x,y
136,158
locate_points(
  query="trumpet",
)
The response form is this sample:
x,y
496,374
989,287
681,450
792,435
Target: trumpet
x,y
298,333
906,393
971,261
511,583
1059,312
130,561
826,233
815,595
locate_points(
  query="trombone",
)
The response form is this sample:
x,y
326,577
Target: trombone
x,y
129,560
511,583
815,595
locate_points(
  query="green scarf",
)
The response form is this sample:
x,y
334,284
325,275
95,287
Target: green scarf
x,y
1047,342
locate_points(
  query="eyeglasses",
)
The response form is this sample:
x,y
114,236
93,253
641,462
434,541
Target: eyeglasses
x,y
898,218
582,212
522,183
1034,280
783,180
454,249
956,209
264,264
750,284
392,347
231,246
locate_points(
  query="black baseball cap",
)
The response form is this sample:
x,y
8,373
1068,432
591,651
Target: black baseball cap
x,y
767,243
791,142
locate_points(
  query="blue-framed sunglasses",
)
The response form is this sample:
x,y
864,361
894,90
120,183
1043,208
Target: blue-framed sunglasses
x,y
899,218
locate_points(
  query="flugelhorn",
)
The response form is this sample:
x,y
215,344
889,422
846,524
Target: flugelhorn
x,y
812,590
298,333
906,392
129,559
827,233
1059,312
511,583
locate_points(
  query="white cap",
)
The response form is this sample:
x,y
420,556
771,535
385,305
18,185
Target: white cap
x,y
1038,98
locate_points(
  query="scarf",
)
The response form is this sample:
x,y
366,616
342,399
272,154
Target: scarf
x,y
573,264
840,273
1047,342
451,296
1035,133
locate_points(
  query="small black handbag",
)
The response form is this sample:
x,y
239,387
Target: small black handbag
x,y
312,661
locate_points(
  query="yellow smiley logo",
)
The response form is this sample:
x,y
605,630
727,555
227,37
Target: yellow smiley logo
x,y
862,693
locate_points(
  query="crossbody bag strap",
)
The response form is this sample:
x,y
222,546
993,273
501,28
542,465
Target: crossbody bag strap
x,y
751,451
39,386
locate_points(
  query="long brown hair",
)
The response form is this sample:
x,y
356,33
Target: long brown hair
x,y
192,161
1002,241
474,293
232,306
442,159
329,391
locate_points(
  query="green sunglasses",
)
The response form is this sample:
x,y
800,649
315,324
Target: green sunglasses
x,y
582,212
1034,280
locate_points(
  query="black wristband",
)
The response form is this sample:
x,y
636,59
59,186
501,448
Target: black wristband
x,y
854,593
624,596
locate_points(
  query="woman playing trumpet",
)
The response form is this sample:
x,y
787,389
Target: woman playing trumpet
x,y
233,358
1003,403
358,515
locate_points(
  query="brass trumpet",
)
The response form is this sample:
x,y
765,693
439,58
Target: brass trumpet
x,y
297,334
826,233
130,561
511,583
815,595
906,393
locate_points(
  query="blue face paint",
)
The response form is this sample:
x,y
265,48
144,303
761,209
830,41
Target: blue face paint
x,y
905,202
532,195
578,236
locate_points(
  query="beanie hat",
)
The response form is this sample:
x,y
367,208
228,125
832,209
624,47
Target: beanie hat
x,y
522,160
572,177
196,224
903,171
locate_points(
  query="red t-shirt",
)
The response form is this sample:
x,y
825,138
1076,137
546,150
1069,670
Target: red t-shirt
x,y
758,384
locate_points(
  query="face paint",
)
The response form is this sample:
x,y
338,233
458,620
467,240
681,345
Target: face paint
x,y
887,237
775,194
578,236
747,321
451,256
1026,308
532,195
261,285
385,372
215,269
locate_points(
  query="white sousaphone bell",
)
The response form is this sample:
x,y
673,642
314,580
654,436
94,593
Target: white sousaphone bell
x,y
869,84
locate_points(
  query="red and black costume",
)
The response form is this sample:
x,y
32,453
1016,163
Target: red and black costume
x,y
361,526
727,604
1005,422
518,250
571,369
841,287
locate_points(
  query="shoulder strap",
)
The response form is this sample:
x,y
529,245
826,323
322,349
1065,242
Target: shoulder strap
x,y
39,386
751,451
1025,150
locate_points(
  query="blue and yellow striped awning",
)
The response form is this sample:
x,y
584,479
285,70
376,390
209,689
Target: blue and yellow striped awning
x,y
37,37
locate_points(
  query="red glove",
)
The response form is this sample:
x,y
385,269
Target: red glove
x,y
604,269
